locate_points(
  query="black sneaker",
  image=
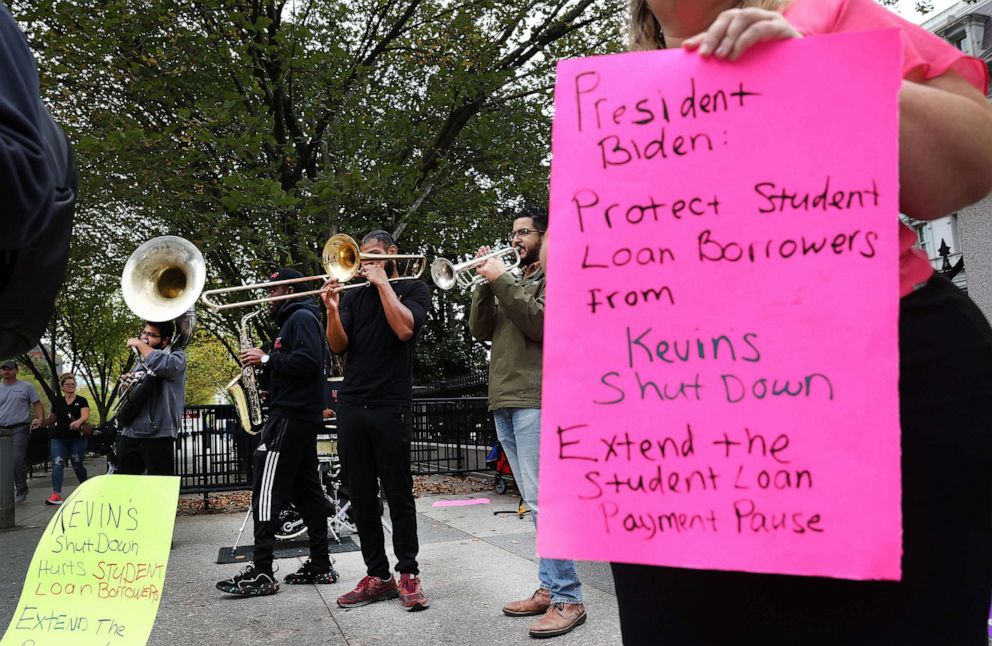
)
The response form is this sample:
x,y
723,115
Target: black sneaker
x,y
250,583
308,573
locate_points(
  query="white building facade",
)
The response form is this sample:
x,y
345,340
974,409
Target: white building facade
x,y
964,237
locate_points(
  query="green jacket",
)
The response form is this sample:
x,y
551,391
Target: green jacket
x,y
510,313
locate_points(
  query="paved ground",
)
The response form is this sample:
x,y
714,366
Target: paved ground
x,y
471,563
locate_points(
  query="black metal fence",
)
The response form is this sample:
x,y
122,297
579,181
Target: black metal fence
x,y
450,435
212,452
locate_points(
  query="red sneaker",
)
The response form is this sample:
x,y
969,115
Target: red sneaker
x,y
54,499
411,594
369,589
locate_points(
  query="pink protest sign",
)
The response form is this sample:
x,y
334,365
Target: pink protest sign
x,y
721,360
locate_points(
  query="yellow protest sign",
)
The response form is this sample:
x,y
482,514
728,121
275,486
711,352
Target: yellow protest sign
x,y
97,574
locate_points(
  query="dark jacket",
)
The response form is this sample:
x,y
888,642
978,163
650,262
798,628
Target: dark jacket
x,y
510,313
26,178
38,191
296,363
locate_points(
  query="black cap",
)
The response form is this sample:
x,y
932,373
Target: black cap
x,y
8,363
285,273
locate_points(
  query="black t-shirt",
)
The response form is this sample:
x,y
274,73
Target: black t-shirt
x,y
380,366
67,413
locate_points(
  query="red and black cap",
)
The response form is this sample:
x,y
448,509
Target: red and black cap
x,y
285,273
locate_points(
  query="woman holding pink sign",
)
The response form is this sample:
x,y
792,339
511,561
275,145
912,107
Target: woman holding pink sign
x,y
945,370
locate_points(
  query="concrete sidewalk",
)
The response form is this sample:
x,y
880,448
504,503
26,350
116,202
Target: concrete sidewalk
x,y
471,562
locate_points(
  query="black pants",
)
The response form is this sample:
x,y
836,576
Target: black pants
x,y
154,455
285,470
374,442
945,389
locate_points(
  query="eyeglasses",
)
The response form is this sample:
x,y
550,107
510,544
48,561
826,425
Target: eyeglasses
x,y
523,232
150,335
68,383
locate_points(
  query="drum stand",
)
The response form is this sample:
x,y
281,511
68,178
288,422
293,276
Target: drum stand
x,y
244,523
330,478
337,520
330,475
336,523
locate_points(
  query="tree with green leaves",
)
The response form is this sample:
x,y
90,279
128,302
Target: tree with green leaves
x,y
91,323
94,341
209,367
258,128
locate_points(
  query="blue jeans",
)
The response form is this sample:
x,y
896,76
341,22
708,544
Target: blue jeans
x,y
519,431
63,450
22,435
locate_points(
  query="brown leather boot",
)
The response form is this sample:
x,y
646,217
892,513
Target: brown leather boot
x,y
559,619
537,604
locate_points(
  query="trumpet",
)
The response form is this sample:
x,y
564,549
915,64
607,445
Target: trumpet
x,y
341,259
447,274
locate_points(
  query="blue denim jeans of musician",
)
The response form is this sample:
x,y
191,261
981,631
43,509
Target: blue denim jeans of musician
x,y
519,431
63,450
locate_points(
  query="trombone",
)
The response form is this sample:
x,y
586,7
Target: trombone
x,y
447,274
341,259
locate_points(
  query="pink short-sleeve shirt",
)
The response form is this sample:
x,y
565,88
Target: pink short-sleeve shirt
x,y
924,57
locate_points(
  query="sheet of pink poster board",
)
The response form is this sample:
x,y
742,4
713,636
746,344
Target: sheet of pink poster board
x,y
720,358
461,503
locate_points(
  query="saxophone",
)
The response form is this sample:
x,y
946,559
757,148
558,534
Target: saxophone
x,y
244,387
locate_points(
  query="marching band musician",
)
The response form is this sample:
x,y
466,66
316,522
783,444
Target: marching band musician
x,y
378,327
147,442
509,312
285,462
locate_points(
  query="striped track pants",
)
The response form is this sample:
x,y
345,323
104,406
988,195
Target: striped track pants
x,y
284,472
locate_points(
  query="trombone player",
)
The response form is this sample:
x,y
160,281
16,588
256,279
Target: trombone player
x,y
378,326
285,462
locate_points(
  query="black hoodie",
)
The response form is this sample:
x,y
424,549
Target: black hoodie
x,y
296,363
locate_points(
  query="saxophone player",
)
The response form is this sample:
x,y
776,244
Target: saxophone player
x,y
285,462
147,443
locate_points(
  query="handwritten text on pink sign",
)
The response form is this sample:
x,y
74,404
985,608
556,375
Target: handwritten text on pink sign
x,y
721,368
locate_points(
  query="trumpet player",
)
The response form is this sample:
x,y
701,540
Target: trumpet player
x,y
147,443
509,312
378,327
285,462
